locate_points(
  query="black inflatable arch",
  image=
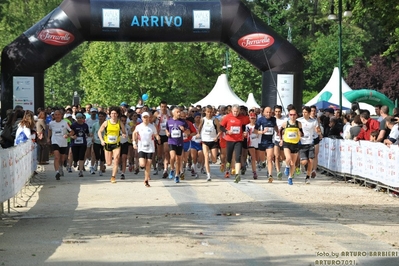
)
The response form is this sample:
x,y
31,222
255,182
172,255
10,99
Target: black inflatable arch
x,y
76,21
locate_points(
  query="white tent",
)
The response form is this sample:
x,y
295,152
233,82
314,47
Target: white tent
x,y
330,93
221,94
251,101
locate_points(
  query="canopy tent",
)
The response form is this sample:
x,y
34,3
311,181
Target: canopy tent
x,y
251,102
330,93
221,94
325,104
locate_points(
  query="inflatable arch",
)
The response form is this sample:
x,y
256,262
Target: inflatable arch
x,y
24,60
371,97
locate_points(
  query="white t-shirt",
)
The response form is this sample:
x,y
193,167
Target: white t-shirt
x,y
26,131
146,137
208,130
309,128
394,134
252,138
279,122
58,130
128,133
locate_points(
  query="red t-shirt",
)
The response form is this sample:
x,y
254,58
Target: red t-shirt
x,y
235,125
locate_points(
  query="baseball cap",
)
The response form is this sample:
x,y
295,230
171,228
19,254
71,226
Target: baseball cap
x,y
251,115
93,110
79,115
197,114
145,114
123,104
330,110
67,115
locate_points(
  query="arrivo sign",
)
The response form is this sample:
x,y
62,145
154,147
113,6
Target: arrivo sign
x,y
256,41
56,37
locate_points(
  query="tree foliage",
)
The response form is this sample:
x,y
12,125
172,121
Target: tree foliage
x,y
182,73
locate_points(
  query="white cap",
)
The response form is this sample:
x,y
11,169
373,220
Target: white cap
x,y
145,114
67,115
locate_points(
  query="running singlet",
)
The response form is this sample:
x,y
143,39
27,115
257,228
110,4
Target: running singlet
x,y
208,130
291,133
112,135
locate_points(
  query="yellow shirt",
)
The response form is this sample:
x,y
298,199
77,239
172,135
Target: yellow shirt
x,y
291,133
112,133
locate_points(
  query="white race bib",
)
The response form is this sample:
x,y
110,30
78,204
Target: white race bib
x,y
269,131
58,133
176,133
112,138
79,140
235,129
292,135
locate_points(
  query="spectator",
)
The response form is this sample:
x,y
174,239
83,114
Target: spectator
x,y
377,109
374,136
25,130
325,121
356,127
335,128
369,125
355,108
393,137
347,126
42,131
384,130
7,139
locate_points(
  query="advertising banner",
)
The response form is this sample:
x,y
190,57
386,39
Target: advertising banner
x,y
24,92
285,90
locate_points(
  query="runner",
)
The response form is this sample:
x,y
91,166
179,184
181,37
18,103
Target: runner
x,y
78,135
125,143
111,140
316,140
291,132
209,132
175,127
278,150
58,134
89,151
143,141
266,126
186,141
231,125
159,118
253,141
97,147
197,156
306,152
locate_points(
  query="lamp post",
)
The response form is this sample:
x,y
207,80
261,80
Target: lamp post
x,y
332,16
227,63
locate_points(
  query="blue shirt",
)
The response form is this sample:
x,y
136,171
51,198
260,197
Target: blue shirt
x,y
269,124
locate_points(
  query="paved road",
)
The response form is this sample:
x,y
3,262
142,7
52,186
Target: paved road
x,y
89,221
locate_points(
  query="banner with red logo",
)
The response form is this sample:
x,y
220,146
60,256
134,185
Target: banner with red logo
x,y
366,159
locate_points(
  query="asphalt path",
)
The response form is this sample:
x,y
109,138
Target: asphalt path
x,y
89,221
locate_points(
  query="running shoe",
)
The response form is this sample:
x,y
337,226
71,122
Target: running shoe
x,y
92,171
113,179
263,164
233,171
228,165
57,176
287,171
182,177
172,174
203,171
259,167
222,168
270,179
80,174
255,176
75,164
297,171
290,181
192,172
123,176
177,179
146,184
69,169
156,171
307,180
136,171
196,176
208,178
100,173
237,178
243,169
61,171
165,174
313,175
227,174
279,175
130,168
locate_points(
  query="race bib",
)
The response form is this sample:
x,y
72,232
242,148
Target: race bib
x,y
163,126
112,139
269,131
58,133
235,130
208,129
79,140
145,145
176,133
292,135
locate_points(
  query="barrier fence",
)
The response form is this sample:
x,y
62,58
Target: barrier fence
x,y
370,160
17,166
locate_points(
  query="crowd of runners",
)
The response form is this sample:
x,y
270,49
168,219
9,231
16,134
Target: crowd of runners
x,y
174,141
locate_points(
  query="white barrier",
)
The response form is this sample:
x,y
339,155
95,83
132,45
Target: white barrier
x,y
366,159
17,166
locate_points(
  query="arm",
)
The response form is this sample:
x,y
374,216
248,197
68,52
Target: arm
x,y
100,132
